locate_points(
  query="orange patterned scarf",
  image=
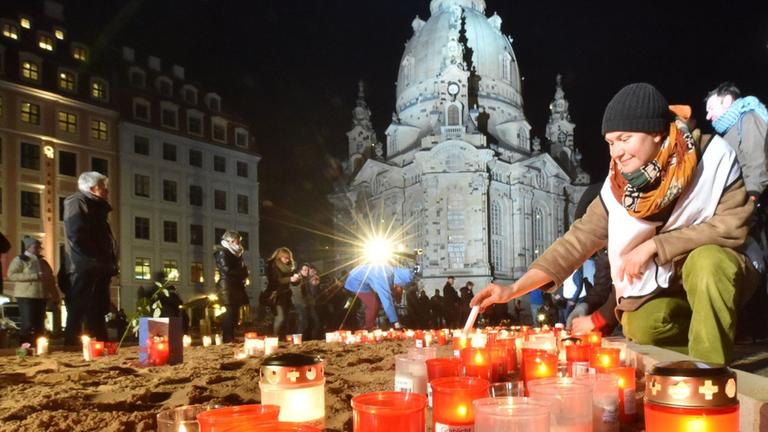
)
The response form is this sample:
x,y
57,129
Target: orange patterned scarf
x,y
665,177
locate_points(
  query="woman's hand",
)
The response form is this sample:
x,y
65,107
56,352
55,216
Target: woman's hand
x,y
582,324
491,294
636,261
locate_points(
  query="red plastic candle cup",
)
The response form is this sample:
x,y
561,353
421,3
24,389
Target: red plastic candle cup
x,y
110,348
224,419
578,357
441,339
459,343
477,363
389,411
603,359
538,365
158,350
272,426
499,369
525,352
96,348
452,401
510,346
625,377
443,367
594,338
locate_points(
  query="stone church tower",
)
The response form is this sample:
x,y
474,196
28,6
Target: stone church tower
x,y
460,179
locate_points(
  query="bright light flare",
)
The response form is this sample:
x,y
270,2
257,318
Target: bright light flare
x,y
378,250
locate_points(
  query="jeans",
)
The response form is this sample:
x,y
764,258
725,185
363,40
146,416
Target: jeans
x,y
32,314
371,306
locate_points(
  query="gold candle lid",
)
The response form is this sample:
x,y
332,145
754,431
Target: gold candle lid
x,y
691,384
292,369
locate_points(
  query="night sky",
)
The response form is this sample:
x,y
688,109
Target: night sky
x,y
290,68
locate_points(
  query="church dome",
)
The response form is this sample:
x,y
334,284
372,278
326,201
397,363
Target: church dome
x,y
492,54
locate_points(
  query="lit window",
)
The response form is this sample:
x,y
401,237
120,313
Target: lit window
x,y
67,81
30,70
59,33
171,270
196,272
30,113
67,122
26,23
142,268
99,89
80,53
45,42
99,130
10,31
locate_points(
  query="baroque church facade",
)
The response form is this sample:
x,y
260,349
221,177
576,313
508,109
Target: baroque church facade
x,y
459,176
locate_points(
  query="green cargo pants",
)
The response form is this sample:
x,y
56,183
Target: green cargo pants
x,y
701,319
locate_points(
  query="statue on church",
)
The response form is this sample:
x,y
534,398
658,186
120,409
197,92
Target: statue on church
x,y
536,145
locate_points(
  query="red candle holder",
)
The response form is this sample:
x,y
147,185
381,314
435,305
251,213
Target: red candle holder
x,y
477,363
239,417
443,367
459,343
96,348
110,348
441,339
603,359
525,352
627,404
578,357
510,345
538,365
388,411
594,338
158,350
499,363
691,396
452,401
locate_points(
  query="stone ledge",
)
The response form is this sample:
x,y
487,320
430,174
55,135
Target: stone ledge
x,y
753,389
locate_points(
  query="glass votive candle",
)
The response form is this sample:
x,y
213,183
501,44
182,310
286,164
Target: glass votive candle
x,y
186,341
41,345
570,404
691,396
270,345
603,359
477,363
389,411
578,357
158,350
605,400
183,418
452,401
506,389
207,341
538,365
227,418
296,383
218,339
96,348
594,338
439,368
626,381
410,374
511,414
422,353
511,352
272,426
459,343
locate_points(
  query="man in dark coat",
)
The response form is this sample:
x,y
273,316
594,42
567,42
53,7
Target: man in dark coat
x,y
451,303
90,258
5,246
231,286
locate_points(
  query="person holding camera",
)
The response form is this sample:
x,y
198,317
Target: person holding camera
x,y
280,277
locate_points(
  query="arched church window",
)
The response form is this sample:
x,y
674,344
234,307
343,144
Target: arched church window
x,y
538,232
506,66
454,116
497,249
407,64
495,219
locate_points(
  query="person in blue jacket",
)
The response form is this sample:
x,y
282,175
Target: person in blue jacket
x,y
373,286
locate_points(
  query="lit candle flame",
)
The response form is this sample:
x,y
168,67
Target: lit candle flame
x,y
461,410
479,358
696,425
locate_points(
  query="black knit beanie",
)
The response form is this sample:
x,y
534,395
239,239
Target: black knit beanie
x,y
638,107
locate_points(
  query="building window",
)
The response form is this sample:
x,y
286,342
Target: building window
x,y
196,274
219,164
214,103
218,233
30,204
99,130
100,165
190,95
455,220
30,113
171,270
45,42
26,23
141,145
67,81
10,31
242,204
169,152
59,33
242,169
142,269
196,158
453,116
141,185
244,240
538,233
141,110
241,138
165,87
170,232
141,228
195,195
169,190
99,89
61,208
169,117
194,124
67,122
455,252
407,67
496,254
496,236
220,200
30,71
196,235
137,78
30,156
67,163
219,131
80,53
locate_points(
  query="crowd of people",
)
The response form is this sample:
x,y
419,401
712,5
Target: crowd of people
x,y
670,247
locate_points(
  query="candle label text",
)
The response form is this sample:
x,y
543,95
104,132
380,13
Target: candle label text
x,y
439,427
